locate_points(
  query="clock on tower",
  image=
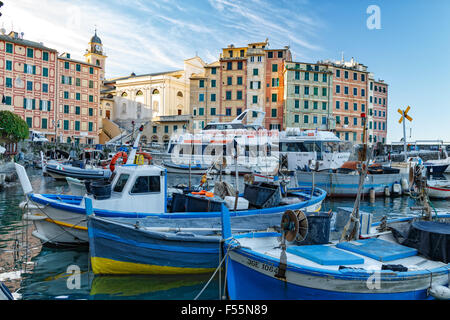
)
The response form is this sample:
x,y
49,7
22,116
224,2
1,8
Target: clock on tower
x,y
95,55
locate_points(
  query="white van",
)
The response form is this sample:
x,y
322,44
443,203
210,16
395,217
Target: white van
x,y
37,136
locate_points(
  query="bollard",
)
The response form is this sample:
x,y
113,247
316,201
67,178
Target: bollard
x,y
387,193
372,195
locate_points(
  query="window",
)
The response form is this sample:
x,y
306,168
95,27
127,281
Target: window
x,y
345,120
306,104
297,75
201,112
146,184
45,87
242,53
213,111
66,109
338,104
275,82
45,72
30,53
307,76
355,76
45,56
338,73
239,80
346,105
239,65
213,97
8,65
78,96
274,97
363,93
29,69
77,125
9,48
228,95
213,71
324,106
228,111
274,113
345,90
324,92
30,122
315,105
338,120
229,65
255,72
346,74
324,120
270,54
296,118
91,84
44,123
363,77
230,53
274,67
229,81
201,97
297,103
77,82
338,89
77,110
213,83
78,67
363,107
255,99
91,98
155,128
66,65
66,124
238,111
8,100
306,91
324,78
8,82
91,112
315,119
355,107
305,118
355,91
91,126
280,54
355,121
316,77
121,182
91,70
201,83
30,85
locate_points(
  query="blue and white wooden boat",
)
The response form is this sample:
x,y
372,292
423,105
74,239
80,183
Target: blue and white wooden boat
x,y
179,242
375,267
346,184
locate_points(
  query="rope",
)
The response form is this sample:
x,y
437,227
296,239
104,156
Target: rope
x,y
217,269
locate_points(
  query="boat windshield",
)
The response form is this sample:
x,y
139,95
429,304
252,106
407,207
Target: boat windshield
x,y
121,182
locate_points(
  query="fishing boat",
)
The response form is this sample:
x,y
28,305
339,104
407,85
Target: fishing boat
x,y
185,242
339,184
374,266
134,191
308,149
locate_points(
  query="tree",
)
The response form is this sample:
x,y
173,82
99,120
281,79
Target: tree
x,y
12,127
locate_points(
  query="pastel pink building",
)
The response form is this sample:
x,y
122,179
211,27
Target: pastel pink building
x,y
380,103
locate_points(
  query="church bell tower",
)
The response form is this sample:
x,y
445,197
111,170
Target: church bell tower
x,y
95,55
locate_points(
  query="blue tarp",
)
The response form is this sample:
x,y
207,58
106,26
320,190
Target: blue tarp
x,y
325,255
378,249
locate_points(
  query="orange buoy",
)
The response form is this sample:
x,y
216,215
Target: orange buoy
x,y
118,155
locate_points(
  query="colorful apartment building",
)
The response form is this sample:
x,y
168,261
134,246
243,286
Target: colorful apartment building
x,y
233,81
380,101
78,100
256,76
28,81
350,87
308,96
274,105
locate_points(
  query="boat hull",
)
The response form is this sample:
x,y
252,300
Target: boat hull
x,y
61,219
62,172
438,192
251,281
346,185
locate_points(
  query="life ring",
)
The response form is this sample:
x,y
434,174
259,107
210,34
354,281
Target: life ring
x,y
147,156
118,155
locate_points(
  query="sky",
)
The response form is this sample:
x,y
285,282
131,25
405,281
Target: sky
x,y
409,49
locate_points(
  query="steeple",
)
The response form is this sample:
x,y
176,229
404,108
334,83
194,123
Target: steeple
x,y
94,54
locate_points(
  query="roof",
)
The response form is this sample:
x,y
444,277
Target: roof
x,y
78,61
96,39
142,75
23,42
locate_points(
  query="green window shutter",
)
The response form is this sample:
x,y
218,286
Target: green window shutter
x,y
24,103
40,104
34,69
25,68
33,103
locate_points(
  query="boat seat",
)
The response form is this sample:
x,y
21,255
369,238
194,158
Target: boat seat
x,y
325,255
378,249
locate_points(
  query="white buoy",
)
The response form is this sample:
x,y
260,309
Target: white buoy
x,y
440,292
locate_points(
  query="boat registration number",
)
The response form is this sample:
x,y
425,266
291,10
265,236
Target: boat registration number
x,y
261,265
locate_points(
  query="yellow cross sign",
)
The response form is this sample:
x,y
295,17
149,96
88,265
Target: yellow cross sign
x,y
404,114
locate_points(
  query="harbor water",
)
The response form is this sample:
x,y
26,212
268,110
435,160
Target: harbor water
x,y
36,272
